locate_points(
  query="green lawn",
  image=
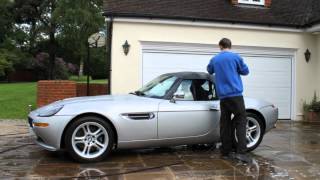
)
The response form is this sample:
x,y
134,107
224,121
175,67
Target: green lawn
x,y
83,79
96,81
15,98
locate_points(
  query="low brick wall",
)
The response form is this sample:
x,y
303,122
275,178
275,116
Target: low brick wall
x,y
94,89
50,91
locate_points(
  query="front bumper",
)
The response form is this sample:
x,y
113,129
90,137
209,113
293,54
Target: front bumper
x,y
49,137
271,115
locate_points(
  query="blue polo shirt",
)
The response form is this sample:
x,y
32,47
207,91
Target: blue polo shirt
x,y
228,68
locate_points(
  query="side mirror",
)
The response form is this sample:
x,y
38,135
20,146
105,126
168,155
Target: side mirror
x,y
177,96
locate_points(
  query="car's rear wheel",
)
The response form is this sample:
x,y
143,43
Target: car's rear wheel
x,y
255,131
89,139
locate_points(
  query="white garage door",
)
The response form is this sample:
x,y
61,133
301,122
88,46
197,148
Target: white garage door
x,y
269,79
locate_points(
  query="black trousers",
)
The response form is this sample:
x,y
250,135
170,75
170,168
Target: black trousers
x,y
235,106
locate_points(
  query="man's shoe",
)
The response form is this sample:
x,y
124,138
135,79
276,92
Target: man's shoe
x,y
245,158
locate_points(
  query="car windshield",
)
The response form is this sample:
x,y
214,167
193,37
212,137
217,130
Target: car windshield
x,y
158,87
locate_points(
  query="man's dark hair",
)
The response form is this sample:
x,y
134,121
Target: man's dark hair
x,y
225,43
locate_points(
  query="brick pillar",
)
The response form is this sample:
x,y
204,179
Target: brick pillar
x,y
234,2
267,3
50,91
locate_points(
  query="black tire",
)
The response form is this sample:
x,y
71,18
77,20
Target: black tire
x,y
81,121
255,117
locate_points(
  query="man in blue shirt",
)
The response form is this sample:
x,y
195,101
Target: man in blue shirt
x,y
228,68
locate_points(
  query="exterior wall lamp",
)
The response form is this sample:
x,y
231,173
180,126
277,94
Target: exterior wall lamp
x,y
126,48
307,55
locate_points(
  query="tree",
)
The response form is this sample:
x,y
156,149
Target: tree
x,y
78,21
10,55
6,21
7,60
64,20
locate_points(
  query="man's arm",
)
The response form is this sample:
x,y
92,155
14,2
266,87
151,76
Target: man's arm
x,y
210,67
242,67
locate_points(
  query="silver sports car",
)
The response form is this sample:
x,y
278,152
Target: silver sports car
x,y
173,109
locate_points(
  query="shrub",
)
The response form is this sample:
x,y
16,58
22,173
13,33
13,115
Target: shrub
x,y
313,106
62,70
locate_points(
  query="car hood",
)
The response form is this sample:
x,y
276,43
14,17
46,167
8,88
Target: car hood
x,y
99,98
104,98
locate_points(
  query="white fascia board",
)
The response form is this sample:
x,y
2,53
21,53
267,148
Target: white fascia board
x,y
314,29
206,24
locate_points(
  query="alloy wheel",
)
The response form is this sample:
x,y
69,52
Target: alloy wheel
x,y
90,140
253,132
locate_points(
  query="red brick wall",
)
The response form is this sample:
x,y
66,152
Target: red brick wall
x,y
267,3
50,91
234,1
95,89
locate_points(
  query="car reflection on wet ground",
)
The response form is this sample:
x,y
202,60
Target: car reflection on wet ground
x,y
291,151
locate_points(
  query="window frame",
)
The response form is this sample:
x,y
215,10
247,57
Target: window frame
x,y
261,3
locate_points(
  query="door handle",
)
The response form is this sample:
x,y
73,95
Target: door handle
x,y
214,108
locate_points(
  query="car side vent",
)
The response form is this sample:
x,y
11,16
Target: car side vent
x,y
139,116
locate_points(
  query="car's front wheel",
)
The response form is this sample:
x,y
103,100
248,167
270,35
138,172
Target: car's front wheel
x,y
89,139
255,131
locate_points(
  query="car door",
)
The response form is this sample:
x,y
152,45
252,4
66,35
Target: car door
x,y
187,116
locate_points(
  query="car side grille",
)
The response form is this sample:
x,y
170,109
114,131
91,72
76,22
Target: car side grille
x,y
138,116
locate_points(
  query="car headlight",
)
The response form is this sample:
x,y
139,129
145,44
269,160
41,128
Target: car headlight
x,y
50,111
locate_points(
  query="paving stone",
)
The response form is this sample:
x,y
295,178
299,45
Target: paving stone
x,y
289,152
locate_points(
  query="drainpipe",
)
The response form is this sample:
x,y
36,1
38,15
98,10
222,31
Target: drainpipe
x,y
109,50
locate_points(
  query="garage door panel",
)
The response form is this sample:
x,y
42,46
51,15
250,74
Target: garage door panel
x,y
268,64
161,63
257,79
269,79
175,60
271,95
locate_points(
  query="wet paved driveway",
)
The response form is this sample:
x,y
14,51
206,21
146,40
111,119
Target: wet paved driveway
x,y
292,151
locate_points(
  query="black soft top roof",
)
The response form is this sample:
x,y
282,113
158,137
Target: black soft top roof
x,y
191,75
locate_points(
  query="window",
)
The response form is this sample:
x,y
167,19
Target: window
x,y
195,90
158,87
184,91
255,2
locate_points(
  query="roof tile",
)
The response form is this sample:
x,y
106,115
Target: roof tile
x,y
282,12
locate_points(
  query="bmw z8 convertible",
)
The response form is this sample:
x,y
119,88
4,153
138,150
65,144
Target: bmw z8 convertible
x,y
174,109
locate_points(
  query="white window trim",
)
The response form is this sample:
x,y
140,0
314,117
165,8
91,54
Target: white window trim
x,y
262,2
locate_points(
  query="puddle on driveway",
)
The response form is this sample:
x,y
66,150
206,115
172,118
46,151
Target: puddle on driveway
x,y
289,152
